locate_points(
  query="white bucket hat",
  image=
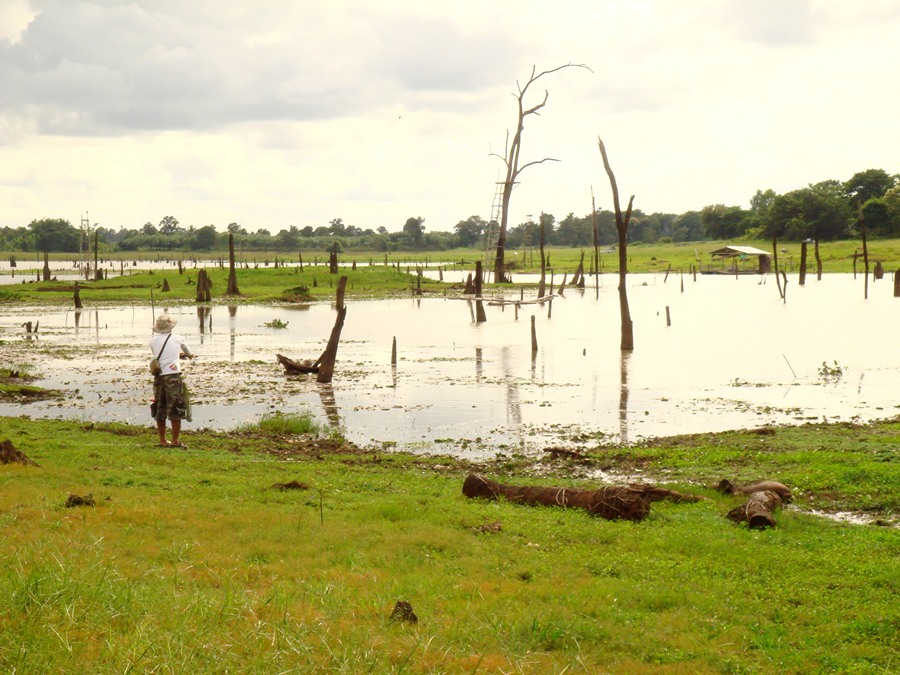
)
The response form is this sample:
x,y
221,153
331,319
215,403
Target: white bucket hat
x,y
164,324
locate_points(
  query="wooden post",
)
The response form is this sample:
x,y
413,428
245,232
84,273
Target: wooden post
x,y
77,296
668,317
534,345
46,269
394,352
878,274
897,284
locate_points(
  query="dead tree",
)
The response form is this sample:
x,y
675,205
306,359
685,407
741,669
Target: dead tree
x,y
77,296
232,288
542,286
480,316
326,361
203,286
98,273
622,221
863,232
802,279
511,158
323,367
897,284
46,269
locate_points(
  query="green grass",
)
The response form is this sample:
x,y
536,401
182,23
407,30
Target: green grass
x,y
191,562
279,423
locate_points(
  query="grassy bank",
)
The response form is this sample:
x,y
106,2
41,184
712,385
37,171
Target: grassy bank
x,y
837,256
192,561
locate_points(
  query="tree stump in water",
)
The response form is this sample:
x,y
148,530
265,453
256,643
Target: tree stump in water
x,y
897,284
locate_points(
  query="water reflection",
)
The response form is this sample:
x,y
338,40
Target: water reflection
x,y
329,404
710,370
624,361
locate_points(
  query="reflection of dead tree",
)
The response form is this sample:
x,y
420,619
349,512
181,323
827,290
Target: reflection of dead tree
x,y
631,502
622,221
324,365
511,159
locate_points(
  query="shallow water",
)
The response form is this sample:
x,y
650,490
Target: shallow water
x,y
734,356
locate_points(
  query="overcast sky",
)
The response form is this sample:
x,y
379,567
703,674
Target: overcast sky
x,y
273,113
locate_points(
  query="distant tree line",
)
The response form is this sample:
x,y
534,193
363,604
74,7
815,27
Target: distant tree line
x,y
826,211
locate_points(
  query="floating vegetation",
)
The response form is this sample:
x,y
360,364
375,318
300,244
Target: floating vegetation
x,y
276,323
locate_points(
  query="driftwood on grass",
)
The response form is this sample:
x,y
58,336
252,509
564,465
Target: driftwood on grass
x,y
631,502
764,498
758,511
726,487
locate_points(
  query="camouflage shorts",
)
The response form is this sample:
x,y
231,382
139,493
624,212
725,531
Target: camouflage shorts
x,y
169,393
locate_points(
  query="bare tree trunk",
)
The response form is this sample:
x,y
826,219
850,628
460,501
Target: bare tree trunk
x,y
480,316
802,280
775,265
863,232
511,160
542,286
818,262
897,284
329,356
46,269
622,221
232,276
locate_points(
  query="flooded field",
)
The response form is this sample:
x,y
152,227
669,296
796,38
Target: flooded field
x,y
734,356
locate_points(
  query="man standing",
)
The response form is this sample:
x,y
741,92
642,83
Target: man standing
x,y
168,387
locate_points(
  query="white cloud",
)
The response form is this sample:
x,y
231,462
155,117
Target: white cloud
x,y
281,112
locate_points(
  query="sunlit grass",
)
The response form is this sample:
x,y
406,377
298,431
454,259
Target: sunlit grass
x,y
192,561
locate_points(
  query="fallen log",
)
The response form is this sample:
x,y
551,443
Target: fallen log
x,y
759,510
631,502
292,366
726,487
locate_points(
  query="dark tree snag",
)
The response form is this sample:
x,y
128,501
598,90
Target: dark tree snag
x,y
326,361
726,487
818,261
802,279
46,269
775,265
759,510
864,232
480,316
232,288
203,286
878,274
511,159
542,286
98,273
77,296
611,503
897,284
10,455
622,221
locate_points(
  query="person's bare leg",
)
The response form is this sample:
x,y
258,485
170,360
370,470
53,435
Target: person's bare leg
x,y
176,429
161,429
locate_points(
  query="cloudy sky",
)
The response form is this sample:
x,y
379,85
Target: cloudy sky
x,y
274,113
